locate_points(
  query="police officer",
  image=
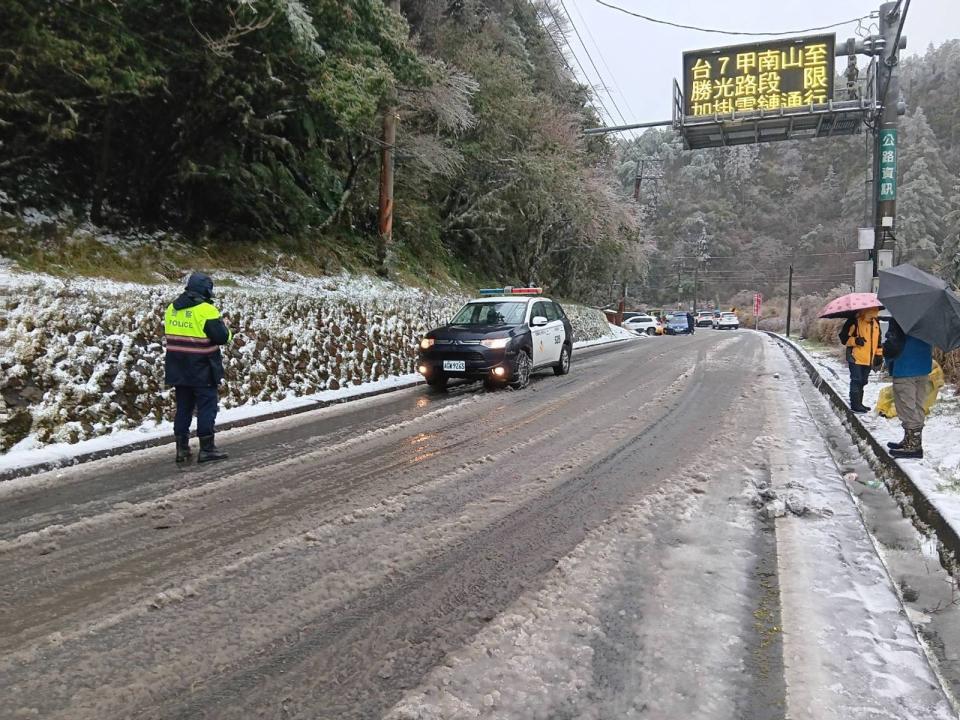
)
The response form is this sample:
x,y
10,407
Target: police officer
x,y
193,364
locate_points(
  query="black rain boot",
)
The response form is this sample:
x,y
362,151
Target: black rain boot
x,y
183,449
898,445
856,403
912,448
209,451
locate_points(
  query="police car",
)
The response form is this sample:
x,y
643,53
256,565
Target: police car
x,y
501,338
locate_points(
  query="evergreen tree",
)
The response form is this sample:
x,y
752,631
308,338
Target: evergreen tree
x,y
921,208
950,254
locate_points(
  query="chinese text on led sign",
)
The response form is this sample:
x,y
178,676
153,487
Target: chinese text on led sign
x,y
764,76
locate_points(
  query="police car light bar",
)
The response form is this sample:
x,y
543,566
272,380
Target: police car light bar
x,y
511,291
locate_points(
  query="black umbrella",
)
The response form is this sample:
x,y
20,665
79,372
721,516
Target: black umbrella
x,y
922,304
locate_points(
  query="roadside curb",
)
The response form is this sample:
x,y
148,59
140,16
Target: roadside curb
x,y
65,463
146,444
926,511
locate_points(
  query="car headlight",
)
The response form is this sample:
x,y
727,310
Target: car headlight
x,y
496,343
427,343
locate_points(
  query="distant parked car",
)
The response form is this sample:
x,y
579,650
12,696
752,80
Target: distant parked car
x,y
677,325
643,324
728,321
705,318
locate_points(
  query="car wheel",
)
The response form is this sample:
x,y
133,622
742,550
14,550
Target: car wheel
x,y
563,367
521,372
651,331
438,382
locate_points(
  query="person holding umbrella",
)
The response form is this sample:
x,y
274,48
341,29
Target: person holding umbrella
x,y
910,361
861,335
926,314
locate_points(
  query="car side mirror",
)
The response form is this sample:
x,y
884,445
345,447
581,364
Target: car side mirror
x,y
538,321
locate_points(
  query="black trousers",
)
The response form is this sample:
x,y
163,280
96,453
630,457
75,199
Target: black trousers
x,y
859,376
203,400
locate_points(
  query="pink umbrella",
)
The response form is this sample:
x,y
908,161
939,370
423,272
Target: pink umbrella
x,y
848,305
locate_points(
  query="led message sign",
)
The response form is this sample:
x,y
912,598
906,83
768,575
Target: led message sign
x,y
796,72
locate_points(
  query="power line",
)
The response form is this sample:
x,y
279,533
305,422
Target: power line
x,y
729,32
553,40
573,25
586,77
596,46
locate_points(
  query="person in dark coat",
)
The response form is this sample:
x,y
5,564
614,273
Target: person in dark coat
x,y
691,323
194,365
910,361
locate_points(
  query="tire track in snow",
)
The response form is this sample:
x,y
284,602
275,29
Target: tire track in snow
x,y
98,579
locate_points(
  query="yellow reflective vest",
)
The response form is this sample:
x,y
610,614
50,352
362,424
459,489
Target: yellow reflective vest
x,y
193,335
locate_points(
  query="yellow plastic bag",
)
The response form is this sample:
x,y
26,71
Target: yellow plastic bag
x,y
885,404
888,409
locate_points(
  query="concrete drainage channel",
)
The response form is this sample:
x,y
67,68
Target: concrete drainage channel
x,y
905,535
926,516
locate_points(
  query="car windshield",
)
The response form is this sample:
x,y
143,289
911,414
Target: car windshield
x,y
729,316
490,313
678,319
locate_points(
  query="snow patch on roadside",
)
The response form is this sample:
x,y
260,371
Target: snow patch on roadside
x,y
938,474
30,452
82,359
849,648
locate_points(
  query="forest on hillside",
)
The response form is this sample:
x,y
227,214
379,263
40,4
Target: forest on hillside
x,y
755,210
256,120
259,121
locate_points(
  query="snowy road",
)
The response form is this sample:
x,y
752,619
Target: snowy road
x,y
587,548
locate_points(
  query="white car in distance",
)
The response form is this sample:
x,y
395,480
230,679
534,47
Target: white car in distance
x,y
642,324
728,321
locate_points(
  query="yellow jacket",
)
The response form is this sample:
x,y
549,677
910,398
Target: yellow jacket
x,y
866,326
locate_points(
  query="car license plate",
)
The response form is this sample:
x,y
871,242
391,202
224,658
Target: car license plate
x,y
454,365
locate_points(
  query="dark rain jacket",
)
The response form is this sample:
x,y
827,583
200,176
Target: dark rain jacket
x,y
906,355
194,331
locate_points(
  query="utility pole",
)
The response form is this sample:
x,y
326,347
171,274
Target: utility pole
x,y
385,207
885,140
789,300
884,88
702,258
679,283
637,179
696,286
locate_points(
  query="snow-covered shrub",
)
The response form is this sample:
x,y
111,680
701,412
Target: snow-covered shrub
x,y
588,323
84,358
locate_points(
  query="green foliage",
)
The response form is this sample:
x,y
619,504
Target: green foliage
x,y
260,119
200,114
